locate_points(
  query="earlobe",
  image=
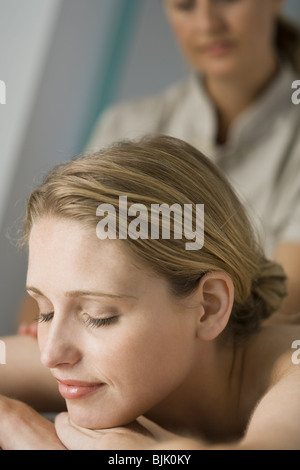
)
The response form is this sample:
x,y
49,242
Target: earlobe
x,y
217,296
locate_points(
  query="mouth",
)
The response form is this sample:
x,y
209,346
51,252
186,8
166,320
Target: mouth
x,y
75,389
217,48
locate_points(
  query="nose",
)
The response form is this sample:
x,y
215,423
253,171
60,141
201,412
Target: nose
x,y
207,16
58,344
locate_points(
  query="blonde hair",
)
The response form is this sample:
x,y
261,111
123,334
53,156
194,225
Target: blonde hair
x,y
161,170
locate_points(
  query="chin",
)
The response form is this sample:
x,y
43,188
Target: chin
x,y
219,68
98,419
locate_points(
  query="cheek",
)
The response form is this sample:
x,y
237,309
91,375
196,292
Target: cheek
x,y
141,367
183,33
152,360
41,336
252,28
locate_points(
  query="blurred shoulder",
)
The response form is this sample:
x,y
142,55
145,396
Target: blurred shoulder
x,y
135,118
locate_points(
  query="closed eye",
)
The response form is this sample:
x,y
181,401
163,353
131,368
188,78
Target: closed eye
x,y
97,322
90,321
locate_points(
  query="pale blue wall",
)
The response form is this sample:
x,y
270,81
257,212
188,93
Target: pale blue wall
x,y
62,88
292,8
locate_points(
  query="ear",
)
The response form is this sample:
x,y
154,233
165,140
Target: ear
x,y
216,294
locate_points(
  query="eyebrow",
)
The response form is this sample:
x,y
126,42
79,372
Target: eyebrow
x,y
83,293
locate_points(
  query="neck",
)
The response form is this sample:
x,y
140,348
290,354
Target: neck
x,y
233,95
208,400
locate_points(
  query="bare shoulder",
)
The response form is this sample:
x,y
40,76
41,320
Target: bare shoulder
x,y
273,384
275,352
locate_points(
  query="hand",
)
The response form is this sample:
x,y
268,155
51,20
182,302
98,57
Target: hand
x,y
143,434
132,436
23,428
28,329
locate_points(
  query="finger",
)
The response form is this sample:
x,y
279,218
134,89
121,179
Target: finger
x,y
23,329
33,329
157,431
137,427
72,437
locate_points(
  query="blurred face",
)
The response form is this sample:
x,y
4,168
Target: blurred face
x,y
224,37
113,336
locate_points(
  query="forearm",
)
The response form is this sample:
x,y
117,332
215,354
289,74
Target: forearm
x,y
194,444
23,428
25,378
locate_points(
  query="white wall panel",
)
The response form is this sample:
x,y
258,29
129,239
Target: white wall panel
x,y
25,32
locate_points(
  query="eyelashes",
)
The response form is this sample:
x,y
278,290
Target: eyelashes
x,y
88,320
97,322
44,317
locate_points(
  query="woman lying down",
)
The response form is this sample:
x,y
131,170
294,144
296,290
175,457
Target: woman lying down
x,y
151,338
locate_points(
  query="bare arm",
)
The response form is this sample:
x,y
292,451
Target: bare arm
x,y
26,382
24,377
275,424
23,428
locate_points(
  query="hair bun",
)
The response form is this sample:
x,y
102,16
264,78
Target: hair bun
x,y
270,288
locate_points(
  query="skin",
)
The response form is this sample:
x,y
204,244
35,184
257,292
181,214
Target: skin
x,y
225,38
162,358
231,43
63,260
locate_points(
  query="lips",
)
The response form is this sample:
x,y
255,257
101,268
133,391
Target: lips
x,y
75,389
216,48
